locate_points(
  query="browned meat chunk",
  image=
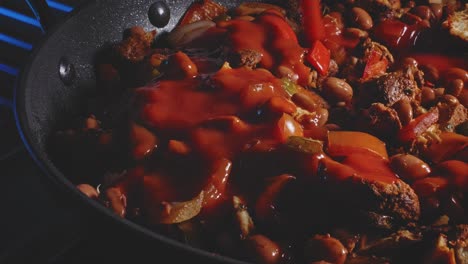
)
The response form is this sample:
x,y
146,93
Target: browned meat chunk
x,y
451,114
246,57
354,68
395,199
136,45
381,120
388,89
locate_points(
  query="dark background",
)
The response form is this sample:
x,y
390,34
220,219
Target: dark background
x,y
38,223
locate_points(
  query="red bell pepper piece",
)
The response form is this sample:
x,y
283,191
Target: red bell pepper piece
x,y
312,21
417,126
319,57
376,65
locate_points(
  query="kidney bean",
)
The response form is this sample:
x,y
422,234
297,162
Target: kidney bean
x,y
456,171
449,99
455,87
337,90
427,96
439,91
430,186
361,18
262,250
409,167
437,10
304,101
356,33
117,201
430,73
455,73
404,110
325,248
88,190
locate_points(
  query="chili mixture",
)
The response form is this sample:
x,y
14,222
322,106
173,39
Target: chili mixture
x,y
295,132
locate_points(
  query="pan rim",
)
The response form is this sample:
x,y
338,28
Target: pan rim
x,y
56,176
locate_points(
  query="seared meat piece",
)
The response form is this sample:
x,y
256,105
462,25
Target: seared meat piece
x,y
381,120
136,45
356,192
388,89
395,199
451,114
246,57
354,69
368,46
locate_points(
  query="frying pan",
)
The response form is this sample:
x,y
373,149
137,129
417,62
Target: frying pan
x,y
61,72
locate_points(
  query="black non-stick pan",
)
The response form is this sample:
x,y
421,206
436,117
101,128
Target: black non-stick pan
x,y
52,88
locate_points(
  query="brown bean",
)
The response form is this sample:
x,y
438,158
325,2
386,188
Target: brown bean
x,y
409,167
262,250
455,87
455,73
422,11
304,101
430,73
449,99
356,33
88,190
325,248
437,10
361,18
404,110
439,91
427,96
463,97
337,90
117,200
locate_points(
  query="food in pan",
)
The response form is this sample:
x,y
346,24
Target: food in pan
x,y
295,132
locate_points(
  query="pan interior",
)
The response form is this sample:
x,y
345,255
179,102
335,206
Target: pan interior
x,y
44,101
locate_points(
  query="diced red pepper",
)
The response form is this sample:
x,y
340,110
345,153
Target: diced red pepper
x,y
376,65
347,143
312,21
417,126
319,57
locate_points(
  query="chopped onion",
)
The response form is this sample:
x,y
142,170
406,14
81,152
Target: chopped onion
x,y
183,35
176,212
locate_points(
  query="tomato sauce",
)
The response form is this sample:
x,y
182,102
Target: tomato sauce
x,y
273,38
